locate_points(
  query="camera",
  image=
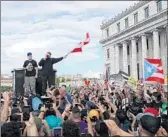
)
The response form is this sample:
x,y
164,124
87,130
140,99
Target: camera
x,y
48,105
57,102
26,109
62,98
17,101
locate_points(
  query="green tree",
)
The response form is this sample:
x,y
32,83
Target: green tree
x,y
68,79
63,80
5,88
84,79
58,80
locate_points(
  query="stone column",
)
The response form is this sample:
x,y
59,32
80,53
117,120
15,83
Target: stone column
x,y
133,58
156,43
144,50
117,58
125,57
112,54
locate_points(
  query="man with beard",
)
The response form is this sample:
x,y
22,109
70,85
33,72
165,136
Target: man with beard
x,y
47,70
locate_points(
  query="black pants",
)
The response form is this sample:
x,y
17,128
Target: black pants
x,y
45,79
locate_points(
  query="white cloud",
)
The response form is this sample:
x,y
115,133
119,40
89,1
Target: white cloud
x,y
53,26
21,48
75,7
92,74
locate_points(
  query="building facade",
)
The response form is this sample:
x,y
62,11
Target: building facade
x,y
137,33
6,80
72,77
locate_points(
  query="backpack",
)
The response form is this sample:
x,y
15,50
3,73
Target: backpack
x,y
35,103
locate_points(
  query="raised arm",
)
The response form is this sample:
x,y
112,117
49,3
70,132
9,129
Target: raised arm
x,y
55,60
4,112
56,111
46,127
31,127
90,129
115,130
114,107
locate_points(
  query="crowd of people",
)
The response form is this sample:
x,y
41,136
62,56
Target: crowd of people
x,y
87,111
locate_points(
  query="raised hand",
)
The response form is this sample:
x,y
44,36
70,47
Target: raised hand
x,y
101,108
67,108
31,121
132,115
7,97
88,119
107,98
111,126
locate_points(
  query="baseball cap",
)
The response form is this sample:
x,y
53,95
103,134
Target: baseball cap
x,y
29,54
150,123
140,115
93,113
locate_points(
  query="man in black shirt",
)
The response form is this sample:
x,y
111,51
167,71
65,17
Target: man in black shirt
x,y
31,73
47,70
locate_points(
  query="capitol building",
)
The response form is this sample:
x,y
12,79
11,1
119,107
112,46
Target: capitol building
x,y
138,32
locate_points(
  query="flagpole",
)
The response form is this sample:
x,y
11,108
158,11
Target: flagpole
x,y
74,48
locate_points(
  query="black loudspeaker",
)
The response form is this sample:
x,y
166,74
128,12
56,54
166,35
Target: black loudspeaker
x,y
39,85
18,82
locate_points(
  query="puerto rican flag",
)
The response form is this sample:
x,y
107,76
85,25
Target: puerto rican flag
x,y
153,70
81,44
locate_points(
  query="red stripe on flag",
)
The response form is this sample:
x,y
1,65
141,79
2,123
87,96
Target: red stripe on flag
x,y
87,35
76,50
154,61
87,40
160,71
160,80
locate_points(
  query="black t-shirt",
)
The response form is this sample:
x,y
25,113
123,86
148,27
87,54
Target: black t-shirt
x,y
30,71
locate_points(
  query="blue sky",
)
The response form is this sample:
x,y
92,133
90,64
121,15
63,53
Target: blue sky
x,y
57,27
